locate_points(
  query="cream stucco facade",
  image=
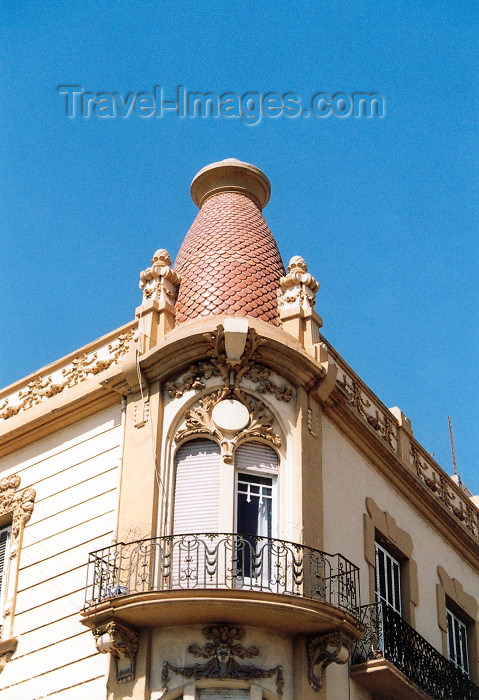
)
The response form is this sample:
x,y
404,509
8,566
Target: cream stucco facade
x,y
244,427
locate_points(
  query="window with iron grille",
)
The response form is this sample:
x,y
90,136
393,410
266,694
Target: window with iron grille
x,y
457,642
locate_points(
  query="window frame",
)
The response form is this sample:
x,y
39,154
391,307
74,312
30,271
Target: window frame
x,y
392,579
458,640
380,526
452,597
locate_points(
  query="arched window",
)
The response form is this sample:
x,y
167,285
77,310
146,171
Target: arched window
x,y
197,487
198,473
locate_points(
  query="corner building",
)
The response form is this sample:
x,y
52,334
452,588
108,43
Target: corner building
x,y
209,503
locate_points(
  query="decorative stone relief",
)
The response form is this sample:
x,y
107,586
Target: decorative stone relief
x,y
79,369
298,287
440,485
19,506
122,643
221,664
324,650
218,366
160,282
358,400
199,421
17,503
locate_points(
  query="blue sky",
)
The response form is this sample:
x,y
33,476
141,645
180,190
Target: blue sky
x,y
385,211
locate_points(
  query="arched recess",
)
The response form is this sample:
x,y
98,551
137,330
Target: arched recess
x,y
197,479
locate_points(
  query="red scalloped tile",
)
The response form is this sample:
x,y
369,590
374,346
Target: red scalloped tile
x,y
229,262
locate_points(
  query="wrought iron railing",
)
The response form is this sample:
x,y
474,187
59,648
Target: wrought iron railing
x,y
388,635
222,561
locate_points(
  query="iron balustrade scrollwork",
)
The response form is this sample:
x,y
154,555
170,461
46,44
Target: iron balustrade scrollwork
x,y
387,635
222,561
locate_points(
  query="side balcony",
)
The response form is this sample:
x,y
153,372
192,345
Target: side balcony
x,y
393,660
239,579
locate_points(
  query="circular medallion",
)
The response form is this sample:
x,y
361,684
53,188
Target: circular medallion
x,y
231,415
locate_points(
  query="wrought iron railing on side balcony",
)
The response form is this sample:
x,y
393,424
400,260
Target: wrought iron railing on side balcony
x,y
222,561
387,635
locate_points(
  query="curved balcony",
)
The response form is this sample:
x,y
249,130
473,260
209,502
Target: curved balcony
x,y
242,579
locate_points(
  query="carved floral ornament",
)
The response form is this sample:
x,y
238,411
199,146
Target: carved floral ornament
x,y
220,662
200,420
17,503
230,414
217,365
79,369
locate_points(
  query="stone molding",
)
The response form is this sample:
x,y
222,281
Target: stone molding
x,y
231,375
382,525
231,370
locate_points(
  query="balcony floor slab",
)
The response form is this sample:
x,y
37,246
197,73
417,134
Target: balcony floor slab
x,y
280,612
384,681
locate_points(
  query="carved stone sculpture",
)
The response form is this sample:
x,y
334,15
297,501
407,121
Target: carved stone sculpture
x,y
324,650
122,643
298,287
160,282
221,663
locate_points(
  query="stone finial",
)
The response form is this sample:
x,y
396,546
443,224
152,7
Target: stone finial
x,y
296,300
160,282
299,286
156,315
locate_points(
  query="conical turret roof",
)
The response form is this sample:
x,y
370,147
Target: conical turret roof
x,y
229,261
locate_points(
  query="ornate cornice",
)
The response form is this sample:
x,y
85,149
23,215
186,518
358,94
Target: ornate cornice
x,y
76,371
404,477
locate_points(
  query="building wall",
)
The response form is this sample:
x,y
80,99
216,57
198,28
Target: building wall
x,y
75,475
350,479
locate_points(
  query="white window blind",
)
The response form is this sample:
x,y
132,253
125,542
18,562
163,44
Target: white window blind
x,y
5,533
197,487
254,456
